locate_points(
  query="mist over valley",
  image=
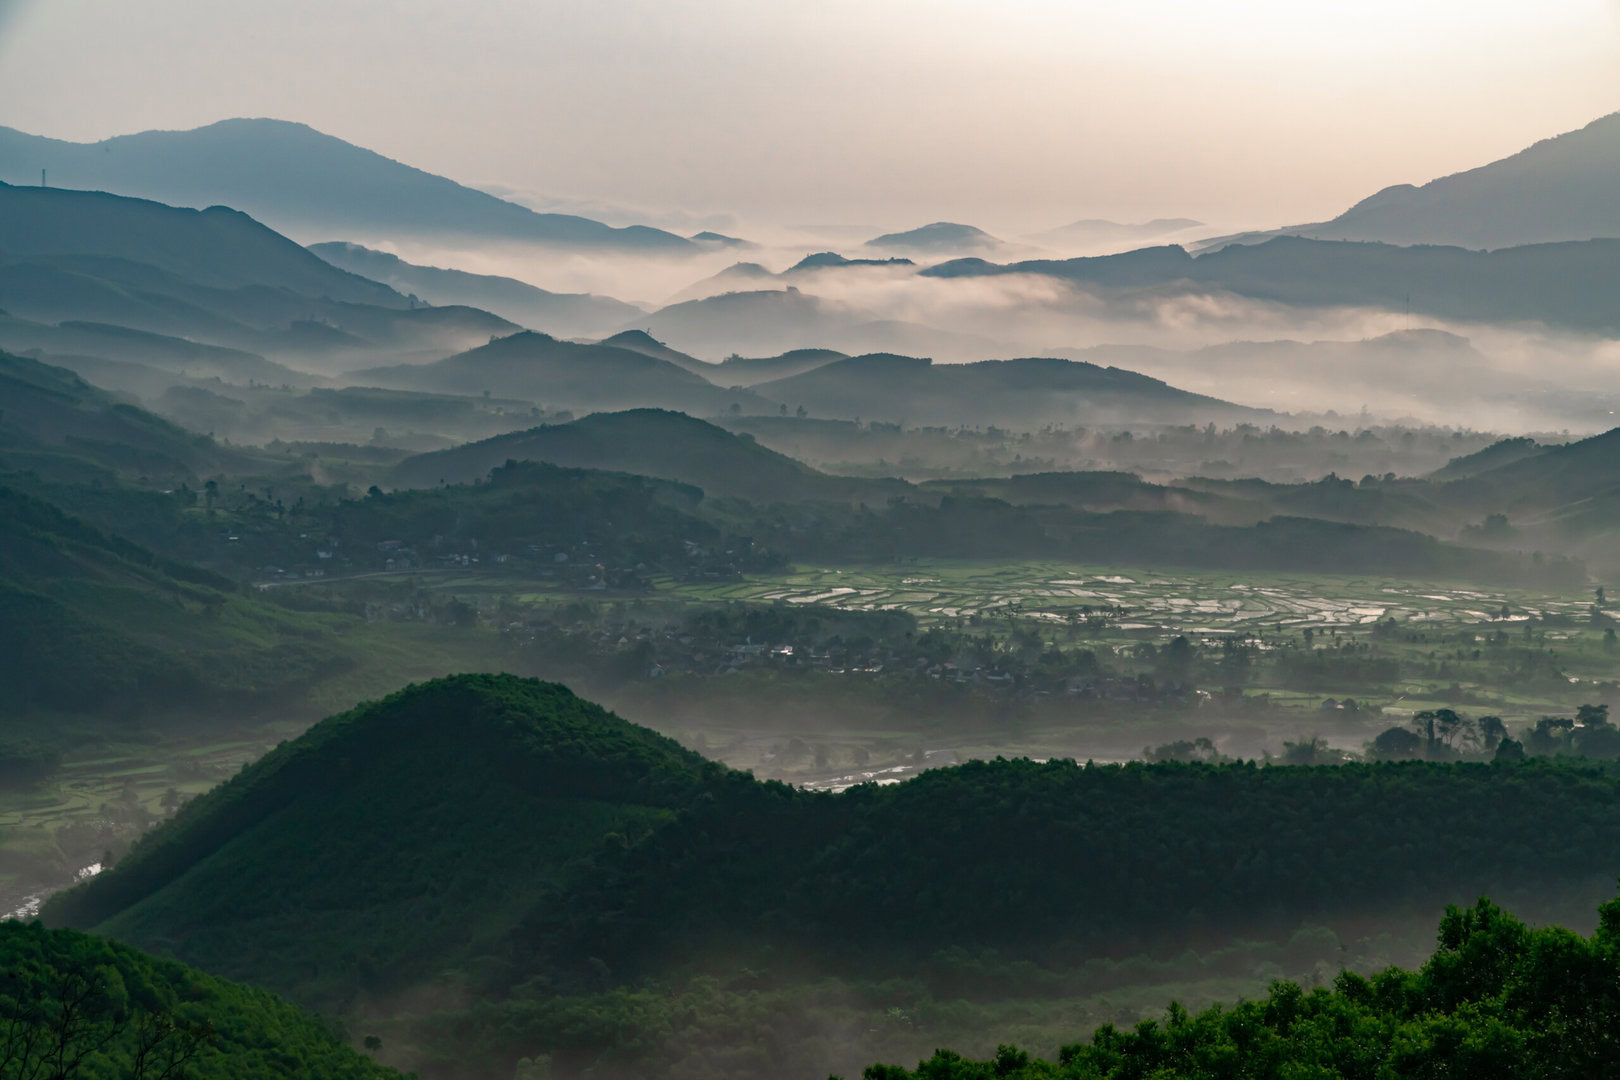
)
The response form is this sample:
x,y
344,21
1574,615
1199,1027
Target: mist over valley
x,y
684,555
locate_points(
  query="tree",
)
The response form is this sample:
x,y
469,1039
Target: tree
x,y
1599,741
1551,735
1492,731
1176,660
1395,744
1438,728
1509,750
1592,715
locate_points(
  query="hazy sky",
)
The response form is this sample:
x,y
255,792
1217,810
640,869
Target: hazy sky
x,y
1012,114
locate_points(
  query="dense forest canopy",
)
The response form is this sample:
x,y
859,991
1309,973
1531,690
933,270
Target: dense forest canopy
x,y
75,1007
1497,999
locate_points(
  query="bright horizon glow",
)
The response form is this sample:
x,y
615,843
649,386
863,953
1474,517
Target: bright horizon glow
x,y
1016,116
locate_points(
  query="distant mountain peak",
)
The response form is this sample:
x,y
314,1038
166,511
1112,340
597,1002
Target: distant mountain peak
x,y
823,259
628,338
938,236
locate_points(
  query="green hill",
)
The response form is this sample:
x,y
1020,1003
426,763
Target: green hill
x,y
563,374
404,837
501,842
74,1006
647,442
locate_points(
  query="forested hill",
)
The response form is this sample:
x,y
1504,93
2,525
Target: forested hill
x,y
74,1006
1497,999
459,804
648,442
506,827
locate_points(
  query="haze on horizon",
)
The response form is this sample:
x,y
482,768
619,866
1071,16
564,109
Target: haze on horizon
x,y
1019,116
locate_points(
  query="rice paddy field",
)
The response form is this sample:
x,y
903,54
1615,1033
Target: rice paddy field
x,y
1145,601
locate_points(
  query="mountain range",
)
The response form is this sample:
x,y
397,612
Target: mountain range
x,y
303,182
214,276
1572,285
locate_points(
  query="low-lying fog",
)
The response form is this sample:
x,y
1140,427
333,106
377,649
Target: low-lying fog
x,y
1347,361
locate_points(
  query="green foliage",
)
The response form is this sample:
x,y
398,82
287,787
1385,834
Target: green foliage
x,y
1129,857
75,1006
1497,1000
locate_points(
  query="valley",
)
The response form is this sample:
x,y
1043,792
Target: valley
x,y
561,542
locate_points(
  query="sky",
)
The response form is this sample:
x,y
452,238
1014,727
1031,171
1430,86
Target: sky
x,y
1015,115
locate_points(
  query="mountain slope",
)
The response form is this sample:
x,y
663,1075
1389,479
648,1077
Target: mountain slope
x,y
91,622
214,276
220,247
1557,190
559,313
81,339
1561,188
49,409
300,180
